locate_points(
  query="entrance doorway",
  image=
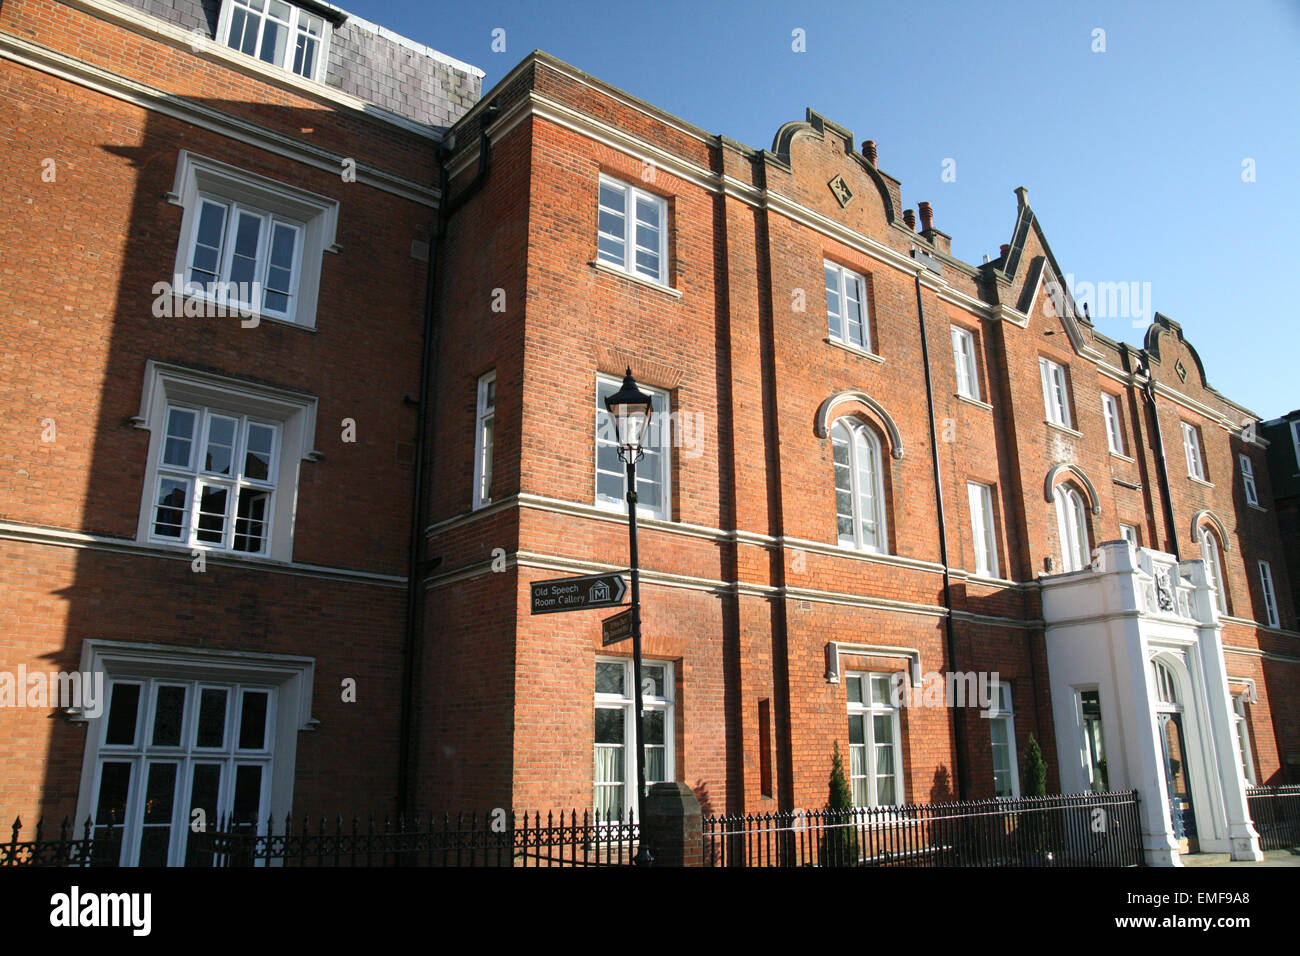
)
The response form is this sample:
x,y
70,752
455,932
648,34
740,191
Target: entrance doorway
x,y
1178,783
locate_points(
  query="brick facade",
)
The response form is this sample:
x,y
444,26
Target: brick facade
x,y
744,584
83,248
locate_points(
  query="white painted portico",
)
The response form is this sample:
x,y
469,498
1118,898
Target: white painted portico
x,y
1105,625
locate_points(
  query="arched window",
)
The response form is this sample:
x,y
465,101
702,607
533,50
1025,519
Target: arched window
x,y
1210,554
859,488
1166,685
1072,523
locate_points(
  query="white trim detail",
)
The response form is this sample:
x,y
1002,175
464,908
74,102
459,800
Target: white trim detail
x,y
835,648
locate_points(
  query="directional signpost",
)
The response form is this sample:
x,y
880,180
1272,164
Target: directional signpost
x,y
616,628
578,594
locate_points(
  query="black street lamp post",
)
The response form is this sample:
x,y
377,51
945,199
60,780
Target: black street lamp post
x,y
631,409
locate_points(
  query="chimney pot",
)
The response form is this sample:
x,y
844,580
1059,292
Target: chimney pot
x,y
909,217
1006,248
869,151
927,216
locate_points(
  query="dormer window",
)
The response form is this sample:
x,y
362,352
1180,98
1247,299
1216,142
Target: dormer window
x,y
278,33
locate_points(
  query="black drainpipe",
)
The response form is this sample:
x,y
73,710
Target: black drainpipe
x,y
424,404
1149,391
958,730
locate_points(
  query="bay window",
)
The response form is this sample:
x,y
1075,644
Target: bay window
x,y
223,461
190,739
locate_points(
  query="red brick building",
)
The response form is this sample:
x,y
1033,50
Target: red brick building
x,y
875,463
210,508
774,302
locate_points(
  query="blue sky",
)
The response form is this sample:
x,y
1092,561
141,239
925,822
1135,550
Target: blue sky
x,y
1168,160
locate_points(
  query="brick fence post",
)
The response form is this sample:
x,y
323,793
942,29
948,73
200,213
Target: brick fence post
x,y
673,828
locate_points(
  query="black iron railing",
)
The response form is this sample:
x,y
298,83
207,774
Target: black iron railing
x,y
67,849
499,838
463,839
1276,814
1093,829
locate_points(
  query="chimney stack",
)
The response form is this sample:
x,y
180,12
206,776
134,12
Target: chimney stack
x,y
869,151
909,217
927,216
1006,248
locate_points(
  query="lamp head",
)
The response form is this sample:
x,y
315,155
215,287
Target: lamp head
x,y
631,409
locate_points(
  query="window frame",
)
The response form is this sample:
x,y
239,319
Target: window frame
x,y
997,713
843,275
1270,594
484,439
1114,424
218,288
629,264
626,702
1241,723
963,355
854,427
290,677
661,425
293,413
199,478
1212,555
991,568
199,180
1248,479
1192,451
1092,763
1053,379
143,753
1072,522
868,709
297,14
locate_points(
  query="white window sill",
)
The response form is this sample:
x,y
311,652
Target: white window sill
x,y
1200,481
621,509
991,580
640,280
1122,457
870,549
247,318
1258,508
854,349
973,401
1063,428
209,551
